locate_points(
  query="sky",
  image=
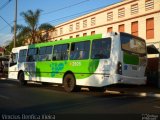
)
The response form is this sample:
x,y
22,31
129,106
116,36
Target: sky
x,y
53,12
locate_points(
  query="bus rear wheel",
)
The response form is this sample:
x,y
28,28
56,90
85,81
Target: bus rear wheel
x,y
21,79
69,83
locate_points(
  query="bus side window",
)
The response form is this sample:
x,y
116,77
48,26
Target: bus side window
x,y
80,50
32,55
45,53
101,48
42,53
60,52
22,55
48,53
13,59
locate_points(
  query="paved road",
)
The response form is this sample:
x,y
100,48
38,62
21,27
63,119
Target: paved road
x,y
52,100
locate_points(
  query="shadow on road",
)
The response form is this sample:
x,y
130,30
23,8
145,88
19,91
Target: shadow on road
x,y
39,99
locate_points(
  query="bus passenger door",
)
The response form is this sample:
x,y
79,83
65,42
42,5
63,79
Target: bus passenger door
x,y
30,66
13,67
30,69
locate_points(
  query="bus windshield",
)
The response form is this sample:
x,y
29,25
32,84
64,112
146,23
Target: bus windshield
x,y
133,44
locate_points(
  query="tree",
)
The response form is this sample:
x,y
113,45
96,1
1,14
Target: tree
x,y
32,30
44,27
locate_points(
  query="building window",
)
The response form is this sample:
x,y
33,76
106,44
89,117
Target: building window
x,y
134,28
134,9
49,35
149,4
61,31
56,32
71,37
121,28
109,29
92,32
84,23
71,28
109,16
93,21
121,13
150,28
84,34
77,26
77,36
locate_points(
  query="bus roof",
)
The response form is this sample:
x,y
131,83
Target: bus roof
x,y
91,37
15,50
84,38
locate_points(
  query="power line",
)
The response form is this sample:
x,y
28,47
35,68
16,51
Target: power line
x,y
51,11
62,18
69,6
81,13
5,21
65,7
5,4
4,27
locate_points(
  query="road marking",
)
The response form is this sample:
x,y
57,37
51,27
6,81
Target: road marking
x,y
4,97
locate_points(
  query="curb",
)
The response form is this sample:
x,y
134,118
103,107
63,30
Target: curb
x,y
141,94
144,94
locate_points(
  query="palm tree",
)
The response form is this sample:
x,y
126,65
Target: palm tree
x,y
32,30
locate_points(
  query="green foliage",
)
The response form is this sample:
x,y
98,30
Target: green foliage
x,y
19,42
32,29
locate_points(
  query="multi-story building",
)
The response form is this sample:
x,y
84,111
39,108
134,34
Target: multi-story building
x,y
138,17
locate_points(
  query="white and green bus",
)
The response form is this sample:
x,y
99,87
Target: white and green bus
x,y
94,61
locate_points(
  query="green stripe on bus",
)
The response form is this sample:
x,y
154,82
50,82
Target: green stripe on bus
x,y
130,59
56,69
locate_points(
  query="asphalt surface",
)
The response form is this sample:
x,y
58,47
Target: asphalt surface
x,y
36,101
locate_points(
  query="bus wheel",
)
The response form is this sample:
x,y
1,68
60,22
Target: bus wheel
x,y
69,82
97,89
21,79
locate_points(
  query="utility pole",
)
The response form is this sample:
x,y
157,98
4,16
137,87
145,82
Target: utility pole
x,y
15,24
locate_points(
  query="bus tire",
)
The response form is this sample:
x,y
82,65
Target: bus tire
x,y
21,79
69,83
97,89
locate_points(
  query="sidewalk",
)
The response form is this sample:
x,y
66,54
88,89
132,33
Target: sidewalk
x,y
143,91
